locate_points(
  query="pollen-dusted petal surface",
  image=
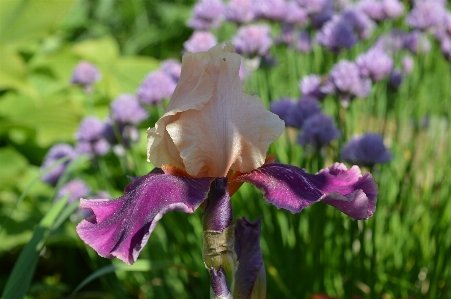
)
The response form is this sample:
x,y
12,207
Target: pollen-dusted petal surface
x,y
293,189
120,228
211,125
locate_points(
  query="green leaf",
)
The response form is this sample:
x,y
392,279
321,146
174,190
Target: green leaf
x,y
24,268
12,165
101,51
12,72
22,20
139,265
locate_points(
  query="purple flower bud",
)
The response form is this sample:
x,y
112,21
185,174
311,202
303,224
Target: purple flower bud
x,y
219,283
126,109
366,150
426,14
200,41
395,79
407,64
336,34
55,153
295,15
206,14
85,74
156,87
120,134
375,64
90,137
75,189
362,25
173,68
318,131
253,40
416,42
311,86
239,11
273,10
345,79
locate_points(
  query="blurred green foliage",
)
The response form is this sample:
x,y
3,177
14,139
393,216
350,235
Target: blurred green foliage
x,y
401,252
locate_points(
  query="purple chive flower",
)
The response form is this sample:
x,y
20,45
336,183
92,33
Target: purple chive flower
x,y
126,109
172,68
295,15
416,42
85,74
326,13
200,41
395,79
313,6
373,9
311,86
345,80
299,40
239,11
75,189
393,8
206,14
253,40
90,137
426,15
273,10
366,150
318,131
156,87
392,42
407,64
336,34
56,152
375,64
361,24
295,113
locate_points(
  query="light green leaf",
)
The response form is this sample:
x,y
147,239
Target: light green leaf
x,y
103,50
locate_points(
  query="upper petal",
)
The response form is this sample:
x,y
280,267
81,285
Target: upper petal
x,y
120,228
293,188
231,130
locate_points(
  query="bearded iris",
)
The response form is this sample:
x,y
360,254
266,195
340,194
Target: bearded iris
x,y
212,138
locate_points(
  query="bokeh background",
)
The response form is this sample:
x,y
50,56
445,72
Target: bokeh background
x,y
401,91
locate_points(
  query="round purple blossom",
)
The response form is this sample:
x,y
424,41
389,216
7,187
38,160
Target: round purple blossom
x,y
345,79
375,64
200,41
55,153
314,6
253,40
318,131
293,112
373,9
311,86
336,34
362,25
366,150
393,8
273,10
239,11
85,74
426,14
392,42
75,189
90,137
173,68
296,39
295,14
206,14
156,87
126,109
122,135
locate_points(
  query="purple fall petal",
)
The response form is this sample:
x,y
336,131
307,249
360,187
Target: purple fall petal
x,y
120,228
293,189
250,278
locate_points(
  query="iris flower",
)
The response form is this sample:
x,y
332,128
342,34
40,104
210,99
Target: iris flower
x,y
212,129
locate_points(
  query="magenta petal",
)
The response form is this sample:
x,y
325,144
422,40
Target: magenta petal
x,y
292,188
120,228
